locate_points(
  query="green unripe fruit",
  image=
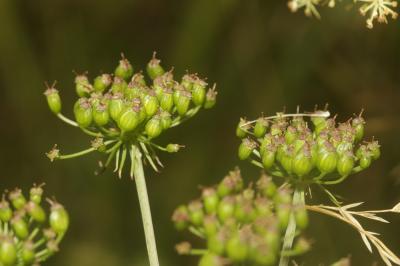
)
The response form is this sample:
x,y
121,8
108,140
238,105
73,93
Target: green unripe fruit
x,y
226,208
150,104
216,244
17,199
82,86
283,196
181,218
166,100
210,259
153,127
36,212
273,240
266,186
302,164
129,119
124,69
365,161
358,125
5,211
276,130
166,120
119,86
182,101
102,82
153,68
59,218
264,257
301,246
116,106
263,207
83,113
196,213
101,116
283,214
172,148
287,162
8,252
242,128
290,135
210,200
374,149
139,79
199,92
211,98
345,164
317,120
53,100
260,128
327,162
246,148
301,217
268,159
35,194
236,249
244,212
28,253
20,227
210,225
187,81
134,90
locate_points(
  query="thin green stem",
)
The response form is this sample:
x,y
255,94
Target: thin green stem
x,y
77,154
67,120
145,207
298,198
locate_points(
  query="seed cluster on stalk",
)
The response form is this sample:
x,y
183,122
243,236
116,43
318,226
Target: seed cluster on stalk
x,y
125,111
28,234
286,145
241,225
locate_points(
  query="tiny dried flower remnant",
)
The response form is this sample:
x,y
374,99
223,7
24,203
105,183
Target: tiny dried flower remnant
x,y
241,225
126,111
25,236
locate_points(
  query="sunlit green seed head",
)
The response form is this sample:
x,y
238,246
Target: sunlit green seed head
x,y
102,82
8,251
260,128
154,69
83,113
124,69
180,218
19,226
199,92
36,212
153,127
211,98
53,100
82,85
59,218
129,119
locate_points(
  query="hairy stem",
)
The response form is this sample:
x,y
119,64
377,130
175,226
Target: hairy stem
x,y
298,198
145,206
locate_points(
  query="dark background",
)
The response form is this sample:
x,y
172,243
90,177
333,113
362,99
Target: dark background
x,y
263,58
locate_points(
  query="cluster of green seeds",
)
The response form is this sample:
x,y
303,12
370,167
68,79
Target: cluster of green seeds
x,y
127,108
241,225
286,145
29,235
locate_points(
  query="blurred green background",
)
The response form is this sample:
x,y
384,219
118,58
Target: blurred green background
x,y
262,57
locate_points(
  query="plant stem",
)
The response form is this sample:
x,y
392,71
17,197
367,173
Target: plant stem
x,y
298,198
145,207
